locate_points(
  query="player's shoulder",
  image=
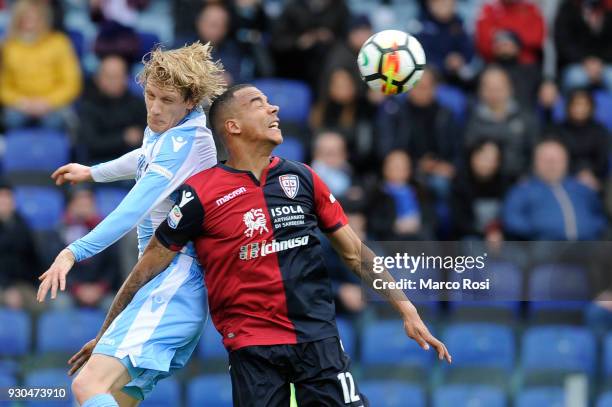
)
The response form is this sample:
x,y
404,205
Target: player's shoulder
x,y
194,125
205,178
295,166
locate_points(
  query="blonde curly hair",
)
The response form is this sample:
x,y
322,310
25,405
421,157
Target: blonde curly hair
x,y
190,70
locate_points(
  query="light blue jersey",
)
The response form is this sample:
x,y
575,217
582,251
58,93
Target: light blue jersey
x,y
160,328
160,166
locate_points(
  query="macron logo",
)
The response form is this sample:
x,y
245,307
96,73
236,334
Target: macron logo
x,y
178,143
186,198
230,196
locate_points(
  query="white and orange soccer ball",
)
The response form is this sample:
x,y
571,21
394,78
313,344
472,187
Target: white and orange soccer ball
x,y
391,62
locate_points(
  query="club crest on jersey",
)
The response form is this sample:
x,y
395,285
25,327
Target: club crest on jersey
x,y
255,221
290,183
174,217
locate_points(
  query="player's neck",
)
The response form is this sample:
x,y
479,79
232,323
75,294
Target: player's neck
x,y
253,162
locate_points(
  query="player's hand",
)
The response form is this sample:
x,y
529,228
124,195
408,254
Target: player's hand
x,y
416,329
55,276
73,173
81,357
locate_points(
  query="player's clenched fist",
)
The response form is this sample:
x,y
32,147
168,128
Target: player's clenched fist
x,y
55,276
73,173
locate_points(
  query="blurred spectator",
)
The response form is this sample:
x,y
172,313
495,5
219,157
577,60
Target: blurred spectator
x,y
116,33
18,257
477,194
330,161
343,108
498,116
112,119
585,139
40,75
550,205
214,25
448,46
94,278
509,27
583,36
252,26
303,36
418,124
394,212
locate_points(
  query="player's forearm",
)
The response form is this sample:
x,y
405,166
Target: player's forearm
x,y
154,260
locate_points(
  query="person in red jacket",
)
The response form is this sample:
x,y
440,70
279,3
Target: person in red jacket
x,y
504,24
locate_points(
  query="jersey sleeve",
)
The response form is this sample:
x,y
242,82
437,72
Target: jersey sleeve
x,y
184,222
122,168
329,212
171,167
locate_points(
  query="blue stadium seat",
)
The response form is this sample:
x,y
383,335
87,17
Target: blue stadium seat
x,y
211,344
167,392
558,282
607,356
35,150
389,393
7,380
541,396
78,42
293,97
605,400
506,282
15,333
67,330
148,41
42,207
468,396
558,349
107,199
603,106
454,100
50,378
291,149
480,345
347,335
385,343
210,391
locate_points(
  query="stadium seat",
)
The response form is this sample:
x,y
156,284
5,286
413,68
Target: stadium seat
x,y
78,42
7,380
607,356
347,336
67,330
107,199
385,343
148,41
292,96
454,100
42,207
210,391
558,349
541,396
558,282
15,333
290,149
468,396
167,392
480,345
211,344
35,150
605,400
50,378
389,393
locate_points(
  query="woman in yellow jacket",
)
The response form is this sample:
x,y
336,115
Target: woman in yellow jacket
x,y
40,74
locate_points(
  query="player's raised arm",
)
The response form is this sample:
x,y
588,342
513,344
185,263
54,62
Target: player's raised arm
x,y
154,260
360,259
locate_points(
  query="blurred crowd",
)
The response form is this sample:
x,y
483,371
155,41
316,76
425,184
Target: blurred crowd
x,y
506,136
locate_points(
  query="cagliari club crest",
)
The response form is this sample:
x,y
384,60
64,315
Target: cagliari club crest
x,y
290,183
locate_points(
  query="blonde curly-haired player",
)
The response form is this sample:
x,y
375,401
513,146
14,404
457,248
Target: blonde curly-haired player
x,y
158,331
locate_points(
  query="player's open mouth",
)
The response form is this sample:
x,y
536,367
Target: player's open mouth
x,y
274,125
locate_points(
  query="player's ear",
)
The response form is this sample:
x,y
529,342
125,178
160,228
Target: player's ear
x,y
232,127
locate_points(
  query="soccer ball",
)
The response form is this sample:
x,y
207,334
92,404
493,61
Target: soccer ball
x,y
391,62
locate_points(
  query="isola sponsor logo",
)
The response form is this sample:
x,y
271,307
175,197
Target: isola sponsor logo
x,y
286,210
263,248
